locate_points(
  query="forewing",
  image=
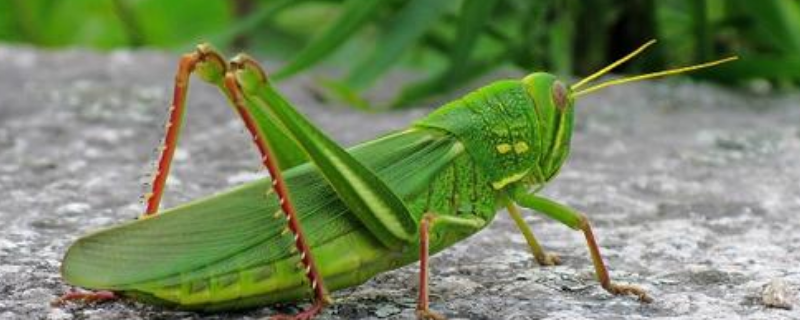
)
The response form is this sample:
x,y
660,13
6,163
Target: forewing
x,y
243,227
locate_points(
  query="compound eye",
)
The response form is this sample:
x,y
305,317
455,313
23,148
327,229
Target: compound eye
x,y
560,95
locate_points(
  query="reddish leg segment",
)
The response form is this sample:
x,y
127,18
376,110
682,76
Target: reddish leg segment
x,y
211,67
321,297
602,272
85,296
173,127
423,310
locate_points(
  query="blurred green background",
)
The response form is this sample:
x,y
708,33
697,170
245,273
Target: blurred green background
x,y
447,42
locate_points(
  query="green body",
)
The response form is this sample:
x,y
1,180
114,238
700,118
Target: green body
x,y
231,251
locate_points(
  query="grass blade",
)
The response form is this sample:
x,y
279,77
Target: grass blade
x,y
440,83
777,21
410,24
356,13
756,66
474,15
249,23
472,20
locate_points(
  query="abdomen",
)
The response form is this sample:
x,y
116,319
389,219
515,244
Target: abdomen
x,y
347,260
231,250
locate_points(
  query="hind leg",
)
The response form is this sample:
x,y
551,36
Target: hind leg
x,y
85,296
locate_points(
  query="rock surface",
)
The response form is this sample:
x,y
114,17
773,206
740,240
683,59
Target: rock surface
x,y
693,191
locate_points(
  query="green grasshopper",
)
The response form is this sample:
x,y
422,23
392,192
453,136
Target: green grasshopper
x,y
331,218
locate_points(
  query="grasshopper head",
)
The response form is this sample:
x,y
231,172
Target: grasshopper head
x,y
554,105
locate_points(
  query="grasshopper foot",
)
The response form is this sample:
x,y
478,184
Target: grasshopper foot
x,y
548,259
305,315
426,314
626,289
85,296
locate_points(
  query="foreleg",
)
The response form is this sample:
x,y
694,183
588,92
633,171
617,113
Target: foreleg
x,y
542,257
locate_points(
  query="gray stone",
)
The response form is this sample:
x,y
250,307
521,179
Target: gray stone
x,y
693,191
777,294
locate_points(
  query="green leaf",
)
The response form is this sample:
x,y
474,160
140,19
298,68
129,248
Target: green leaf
x,y
265,12
702,33
777,21
339,91
561,45
20,20
356,13
441,83
411,22
180,24
472,21
83,23
750,67
474,15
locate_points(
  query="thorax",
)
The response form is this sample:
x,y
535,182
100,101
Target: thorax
x,y
499,128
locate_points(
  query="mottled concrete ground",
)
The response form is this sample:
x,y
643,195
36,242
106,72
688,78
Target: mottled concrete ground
x,y
693,190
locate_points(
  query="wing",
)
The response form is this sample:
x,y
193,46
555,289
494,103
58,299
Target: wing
x,y
243,227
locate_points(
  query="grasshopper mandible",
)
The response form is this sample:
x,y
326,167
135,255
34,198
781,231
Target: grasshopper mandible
x,y
330,218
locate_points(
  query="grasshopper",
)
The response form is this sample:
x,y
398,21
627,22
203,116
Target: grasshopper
x,y
330,218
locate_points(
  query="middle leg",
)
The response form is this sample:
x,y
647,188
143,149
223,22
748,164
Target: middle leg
x,y
426,226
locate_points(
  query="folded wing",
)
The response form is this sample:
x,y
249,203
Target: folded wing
x,y
243,227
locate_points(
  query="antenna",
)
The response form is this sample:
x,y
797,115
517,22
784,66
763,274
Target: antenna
x,y
651,75
613,65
